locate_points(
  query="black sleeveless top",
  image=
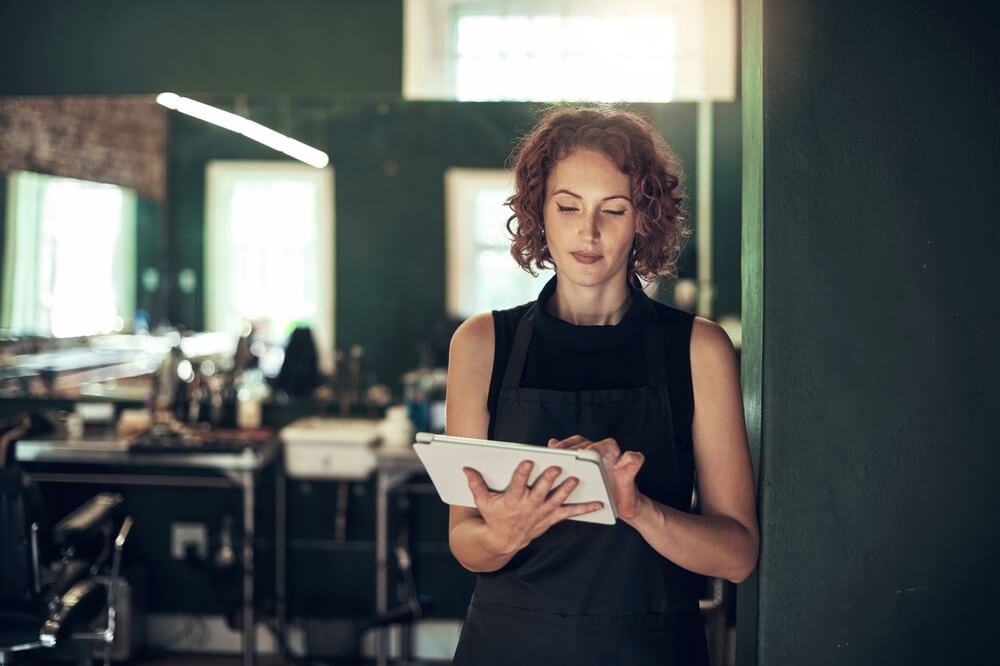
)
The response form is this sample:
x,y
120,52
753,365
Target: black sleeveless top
x,y
566,357
584,593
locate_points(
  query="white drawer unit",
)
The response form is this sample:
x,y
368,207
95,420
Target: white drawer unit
x,y
330,448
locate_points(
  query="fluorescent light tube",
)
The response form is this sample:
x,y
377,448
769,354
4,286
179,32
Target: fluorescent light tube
x,y
246,127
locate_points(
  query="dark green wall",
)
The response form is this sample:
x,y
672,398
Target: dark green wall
x,y
149,222
201,46
726,201
871,185
389,159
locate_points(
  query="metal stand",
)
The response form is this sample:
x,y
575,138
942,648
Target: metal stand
x,y
238,469
393,468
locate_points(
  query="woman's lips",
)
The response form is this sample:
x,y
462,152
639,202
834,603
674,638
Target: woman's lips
x,y
586,257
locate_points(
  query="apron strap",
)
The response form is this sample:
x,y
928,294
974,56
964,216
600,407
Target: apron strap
x,y
519,352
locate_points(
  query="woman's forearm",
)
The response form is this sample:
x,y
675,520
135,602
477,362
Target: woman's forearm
x,y
471,546
710,545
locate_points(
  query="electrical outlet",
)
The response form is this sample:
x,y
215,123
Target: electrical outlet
x,y
183,535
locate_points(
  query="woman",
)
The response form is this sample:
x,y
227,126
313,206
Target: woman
x,y
596,364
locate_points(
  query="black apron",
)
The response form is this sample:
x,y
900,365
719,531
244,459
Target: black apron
x,y
582,593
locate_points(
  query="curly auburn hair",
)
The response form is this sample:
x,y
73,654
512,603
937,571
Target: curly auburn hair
x,y
638,150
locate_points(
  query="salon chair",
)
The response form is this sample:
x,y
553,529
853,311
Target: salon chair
x,y
56,582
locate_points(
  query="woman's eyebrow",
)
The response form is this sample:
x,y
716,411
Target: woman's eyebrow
x,y
574,194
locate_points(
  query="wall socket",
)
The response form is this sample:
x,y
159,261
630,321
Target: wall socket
x,y
184,535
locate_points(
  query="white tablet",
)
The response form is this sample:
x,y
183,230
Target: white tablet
x,y
444,457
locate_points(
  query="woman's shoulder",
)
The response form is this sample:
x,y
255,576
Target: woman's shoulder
x,y
711,345
472,338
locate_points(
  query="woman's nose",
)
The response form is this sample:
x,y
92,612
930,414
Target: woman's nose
x,y
588,228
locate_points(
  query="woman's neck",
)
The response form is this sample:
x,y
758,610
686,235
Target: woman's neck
x,y
604,305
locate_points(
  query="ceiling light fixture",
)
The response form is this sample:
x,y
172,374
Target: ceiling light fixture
x,y
246,127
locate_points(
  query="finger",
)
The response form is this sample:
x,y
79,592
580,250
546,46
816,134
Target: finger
x,y
608,448
569,442
630,460
543,484
573,510
562,493
552,441
586,444
480,491
519,481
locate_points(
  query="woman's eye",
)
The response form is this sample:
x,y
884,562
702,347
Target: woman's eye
x,y
566,209
615,212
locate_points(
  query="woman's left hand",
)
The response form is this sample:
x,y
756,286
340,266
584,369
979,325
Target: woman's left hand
x,y
622,469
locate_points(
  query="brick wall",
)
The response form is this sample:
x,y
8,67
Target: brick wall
x,y
119,140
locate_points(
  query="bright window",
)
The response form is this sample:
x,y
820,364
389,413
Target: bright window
x,y
482,275
69,264
585,50
269,250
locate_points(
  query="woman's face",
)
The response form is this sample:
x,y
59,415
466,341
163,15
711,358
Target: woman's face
x,y
589,219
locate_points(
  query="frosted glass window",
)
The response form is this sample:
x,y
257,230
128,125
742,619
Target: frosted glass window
x,y
482,275
565,58
585,50
269,250
69,265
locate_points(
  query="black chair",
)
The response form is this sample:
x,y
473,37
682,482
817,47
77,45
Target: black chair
x,y
56,583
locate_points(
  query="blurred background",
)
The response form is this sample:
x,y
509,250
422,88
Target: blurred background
x,y
236,238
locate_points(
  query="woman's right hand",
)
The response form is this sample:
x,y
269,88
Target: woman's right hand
x,y
521,513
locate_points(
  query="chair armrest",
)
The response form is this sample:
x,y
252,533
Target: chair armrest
x,y
67,574
87,520
78,607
